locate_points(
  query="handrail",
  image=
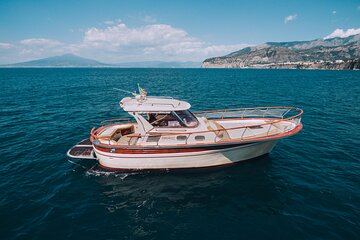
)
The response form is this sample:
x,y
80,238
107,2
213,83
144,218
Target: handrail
x,y
237,109
94,131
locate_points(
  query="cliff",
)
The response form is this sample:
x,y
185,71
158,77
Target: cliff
x,y
335,53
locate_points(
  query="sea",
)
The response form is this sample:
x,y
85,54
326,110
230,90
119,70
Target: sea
x,y
308,187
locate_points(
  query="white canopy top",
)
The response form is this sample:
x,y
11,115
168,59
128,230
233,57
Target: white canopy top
x,y
153,104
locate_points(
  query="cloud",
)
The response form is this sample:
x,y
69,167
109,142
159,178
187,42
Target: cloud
x,y
117,42
333,12
121,35
160,41
343,33
42,42
31,48
290,18
6,45
112,22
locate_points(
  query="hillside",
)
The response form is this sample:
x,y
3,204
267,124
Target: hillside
x,y
335,53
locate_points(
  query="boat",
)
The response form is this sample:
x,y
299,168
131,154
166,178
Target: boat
x,y
163,133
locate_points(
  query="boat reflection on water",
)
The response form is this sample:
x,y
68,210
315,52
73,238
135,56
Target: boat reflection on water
x,y
154,201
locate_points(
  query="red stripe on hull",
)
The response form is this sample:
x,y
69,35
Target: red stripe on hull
x,y
160,151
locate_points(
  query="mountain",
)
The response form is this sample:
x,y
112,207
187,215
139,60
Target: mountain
x,y
70,60
66,60
334,53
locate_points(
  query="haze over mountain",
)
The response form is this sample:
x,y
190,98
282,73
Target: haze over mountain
x,y
66,60
71,60
333,53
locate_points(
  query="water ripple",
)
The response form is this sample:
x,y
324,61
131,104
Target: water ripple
x,y
308,187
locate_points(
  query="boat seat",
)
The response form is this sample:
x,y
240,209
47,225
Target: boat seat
x,y
121,131
130,139
220,131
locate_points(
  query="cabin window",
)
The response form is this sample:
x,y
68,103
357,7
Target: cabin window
x,y
172,119
199,138
187,118
181,138
153,139
163,120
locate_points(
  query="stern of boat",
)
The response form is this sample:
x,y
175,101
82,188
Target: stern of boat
x,y
82,150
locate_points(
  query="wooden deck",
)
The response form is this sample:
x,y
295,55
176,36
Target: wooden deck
x,y
82,150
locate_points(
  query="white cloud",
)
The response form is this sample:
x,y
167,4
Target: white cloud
x,y
117,42
157,40
112,22
41,42
343,33
32,48
290,18
6,45
121,35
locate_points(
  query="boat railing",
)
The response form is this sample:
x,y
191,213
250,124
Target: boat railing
x,y
275,114
258,112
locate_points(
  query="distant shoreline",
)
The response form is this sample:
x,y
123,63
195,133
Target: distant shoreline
x,y
87,67
205,68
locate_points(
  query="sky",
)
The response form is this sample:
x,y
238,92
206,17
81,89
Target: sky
x,y
115,31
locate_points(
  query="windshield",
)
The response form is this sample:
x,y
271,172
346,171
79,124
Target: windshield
x,y
173,119
187,118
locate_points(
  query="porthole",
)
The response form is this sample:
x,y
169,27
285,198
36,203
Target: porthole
x,y
181,138
199,138
153,139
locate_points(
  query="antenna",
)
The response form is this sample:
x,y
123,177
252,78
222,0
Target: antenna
x,y
122,90
139,97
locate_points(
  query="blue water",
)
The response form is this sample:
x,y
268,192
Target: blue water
x,y
307,188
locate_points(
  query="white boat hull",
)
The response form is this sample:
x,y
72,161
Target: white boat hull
x,y
181,160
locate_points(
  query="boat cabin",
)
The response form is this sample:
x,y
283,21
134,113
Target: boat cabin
x,y
160,113
165,121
